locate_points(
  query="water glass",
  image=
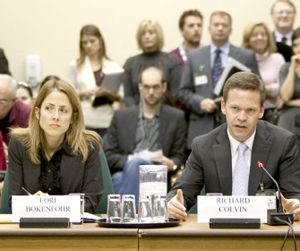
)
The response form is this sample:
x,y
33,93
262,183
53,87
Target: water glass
x,y
114,208
159,208
128,208
145,209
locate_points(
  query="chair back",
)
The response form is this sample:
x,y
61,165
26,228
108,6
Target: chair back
x,y
107,183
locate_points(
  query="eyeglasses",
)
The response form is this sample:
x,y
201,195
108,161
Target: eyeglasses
x,y
3,102
287,12
23,83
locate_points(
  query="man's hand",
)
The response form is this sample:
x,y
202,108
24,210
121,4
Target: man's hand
x,y
208,105
176,207
291,206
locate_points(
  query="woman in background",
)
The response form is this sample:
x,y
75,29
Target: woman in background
x,y
55,155
24,93
290,87
257,37
150,39
86,75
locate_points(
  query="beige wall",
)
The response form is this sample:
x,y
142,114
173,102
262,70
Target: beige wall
x,y
50,28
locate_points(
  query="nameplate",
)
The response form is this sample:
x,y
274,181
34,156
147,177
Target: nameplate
x,y
234,207
62,206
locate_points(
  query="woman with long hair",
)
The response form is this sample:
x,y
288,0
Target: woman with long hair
x,y
257,37
56,155
86,75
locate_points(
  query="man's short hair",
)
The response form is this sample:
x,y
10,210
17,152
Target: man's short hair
x,y
289,2
161,73
187,13
13,84
245,81
221,14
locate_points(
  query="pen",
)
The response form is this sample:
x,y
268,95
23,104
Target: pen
x,y
26,191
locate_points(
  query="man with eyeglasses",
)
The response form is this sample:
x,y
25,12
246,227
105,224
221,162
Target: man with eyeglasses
x,y
140,131
283,14
13,113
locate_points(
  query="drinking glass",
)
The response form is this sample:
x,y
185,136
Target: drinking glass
x,y
145,209
114,208
128,208
159,208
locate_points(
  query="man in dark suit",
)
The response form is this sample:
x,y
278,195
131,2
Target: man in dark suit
x,y
137,131
283,15
197,85
214,161
3,63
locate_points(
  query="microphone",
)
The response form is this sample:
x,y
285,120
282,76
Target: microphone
x,y
279,214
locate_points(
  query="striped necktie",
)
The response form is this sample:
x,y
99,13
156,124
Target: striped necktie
x,y
217,67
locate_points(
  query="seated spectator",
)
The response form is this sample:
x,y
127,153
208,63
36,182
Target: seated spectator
x,y
24,93
257,37
4,69
225,160
289,79
55,155
86,75
138,130
13,112
150,39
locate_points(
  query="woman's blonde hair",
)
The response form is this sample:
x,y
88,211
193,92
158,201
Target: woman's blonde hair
x,y
271,47
78,138
157,29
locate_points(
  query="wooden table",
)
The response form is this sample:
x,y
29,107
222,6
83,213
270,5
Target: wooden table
x,y
79,237
191,235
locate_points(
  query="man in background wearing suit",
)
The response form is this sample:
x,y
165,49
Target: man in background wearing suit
x,y
216,160
202,70
190,25
283,14
139,130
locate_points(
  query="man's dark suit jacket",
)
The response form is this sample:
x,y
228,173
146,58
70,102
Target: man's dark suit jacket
x,y
210,163
120,141
284,49
191,94
3,63
75,176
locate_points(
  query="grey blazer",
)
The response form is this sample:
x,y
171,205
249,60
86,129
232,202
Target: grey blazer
x,y
120,141
75,176
191,95
210,163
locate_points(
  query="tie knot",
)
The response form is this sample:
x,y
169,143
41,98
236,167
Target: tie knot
x,y
218,51
283,40
242,148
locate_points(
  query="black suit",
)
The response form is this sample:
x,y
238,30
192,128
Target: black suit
x,y
75,176
210,163
3,63
284,49
120,141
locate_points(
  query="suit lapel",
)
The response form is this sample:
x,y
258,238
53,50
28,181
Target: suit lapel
x,y
260,152
163,122
222,154
132,124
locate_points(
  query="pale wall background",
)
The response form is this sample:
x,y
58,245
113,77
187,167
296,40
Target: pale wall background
x,y
50,28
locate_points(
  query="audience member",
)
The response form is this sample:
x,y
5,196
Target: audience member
x,y
215,157
202,70
13,112
257,37
139,130
86,75
24,93
55,155
283,14
4,69
289,79
190,25
150,39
